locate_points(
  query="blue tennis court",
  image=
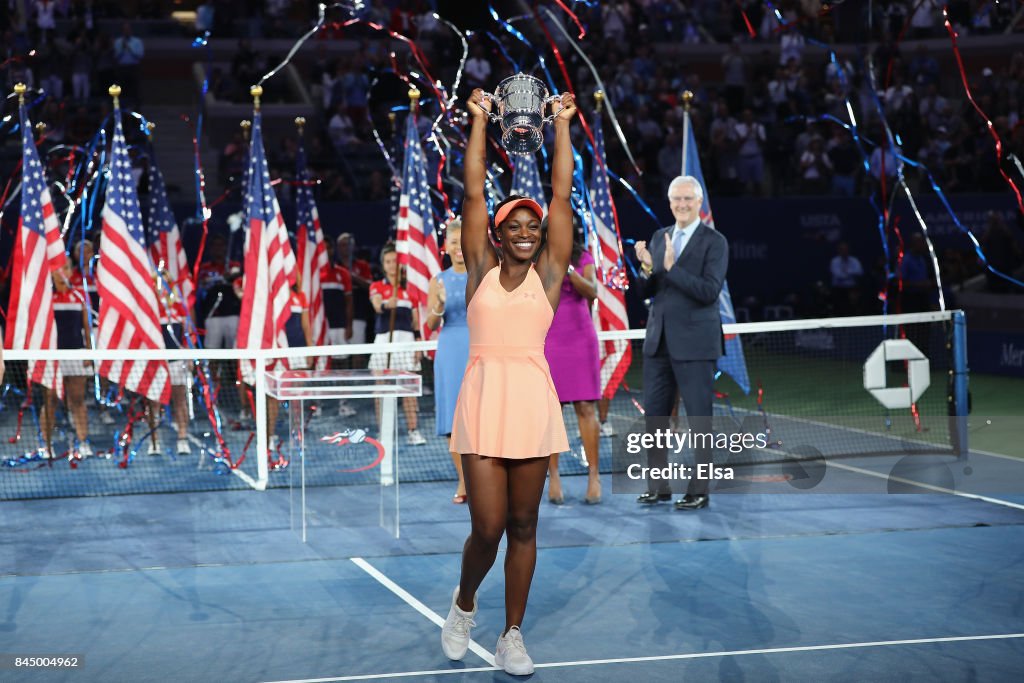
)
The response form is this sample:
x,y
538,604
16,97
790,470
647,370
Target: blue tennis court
x,y
216,586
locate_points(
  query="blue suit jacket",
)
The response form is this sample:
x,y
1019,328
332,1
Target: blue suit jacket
x,y
685,297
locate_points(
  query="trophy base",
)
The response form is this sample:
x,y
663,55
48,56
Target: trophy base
x,y
522,141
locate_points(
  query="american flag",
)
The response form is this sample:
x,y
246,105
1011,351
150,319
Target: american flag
x,y
611,303
733,362
166,247
129,318
312,253
526,180
417,238
269,261
37,251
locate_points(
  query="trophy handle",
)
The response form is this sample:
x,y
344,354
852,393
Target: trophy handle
x,y
494,105
553,99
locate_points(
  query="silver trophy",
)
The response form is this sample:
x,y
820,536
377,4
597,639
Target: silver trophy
x,y
521,101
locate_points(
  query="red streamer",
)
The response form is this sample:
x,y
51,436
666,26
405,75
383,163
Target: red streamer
x,y
984,116
575,19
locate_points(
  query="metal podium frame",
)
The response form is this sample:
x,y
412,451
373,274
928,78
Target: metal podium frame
x,y
386,385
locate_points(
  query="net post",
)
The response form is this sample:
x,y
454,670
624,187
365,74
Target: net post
x,y
960,377
260,396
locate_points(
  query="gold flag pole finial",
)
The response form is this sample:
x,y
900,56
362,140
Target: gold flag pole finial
x,y
150,126
300,123
687,99
245,125
115,92
599,99
257,92
20,89
414,98
40,129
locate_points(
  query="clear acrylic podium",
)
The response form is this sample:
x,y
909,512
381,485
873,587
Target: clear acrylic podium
x,y
299,387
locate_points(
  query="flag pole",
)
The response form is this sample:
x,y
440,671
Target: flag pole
x,y
687,99
595,250
414,100
260,386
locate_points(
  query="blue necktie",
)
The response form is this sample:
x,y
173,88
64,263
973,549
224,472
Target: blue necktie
x,y
677,242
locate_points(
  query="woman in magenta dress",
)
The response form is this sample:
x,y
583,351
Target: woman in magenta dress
x,y
572,353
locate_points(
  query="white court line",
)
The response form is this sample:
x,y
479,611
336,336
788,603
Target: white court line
x,y
929,487
667,658
475,647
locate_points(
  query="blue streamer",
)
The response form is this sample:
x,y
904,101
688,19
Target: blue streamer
x,y
521,38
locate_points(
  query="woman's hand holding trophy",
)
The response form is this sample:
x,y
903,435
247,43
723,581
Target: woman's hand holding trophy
x,y
521,101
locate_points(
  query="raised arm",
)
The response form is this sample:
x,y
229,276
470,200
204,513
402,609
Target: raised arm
x,y
476,246
555,258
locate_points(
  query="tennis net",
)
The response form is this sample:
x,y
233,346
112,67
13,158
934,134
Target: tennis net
x,y
817,387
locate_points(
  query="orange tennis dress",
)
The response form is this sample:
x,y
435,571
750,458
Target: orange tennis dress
x,y
508,406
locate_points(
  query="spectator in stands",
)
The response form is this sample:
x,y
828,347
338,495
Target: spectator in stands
x,y
923,69
478,70
341,130
616,18
815,167
791,48
81,68
922,23
751,138
724,146
244,68
357,89
933,108
734,66
846,272
883,162
846,162
46,23
918,277
1003,252
128,53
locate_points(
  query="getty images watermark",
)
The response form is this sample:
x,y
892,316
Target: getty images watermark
x,y
860,454
675,443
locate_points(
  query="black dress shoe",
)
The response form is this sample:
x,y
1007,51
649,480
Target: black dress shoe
x,y
653,498
692,502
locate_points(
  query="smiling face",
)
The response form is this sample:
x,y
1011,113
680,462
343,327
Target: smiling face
x,y
453,245
520,234
684,198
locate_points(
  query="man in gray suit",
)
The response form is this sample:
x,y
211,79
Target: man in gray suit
x,y
682,272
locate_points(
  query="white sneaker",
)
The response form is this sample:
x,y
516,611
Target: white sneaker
x,y
607,429
510,654
183,447
456,629
106,418
345,410
154,448
415,438
84,449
